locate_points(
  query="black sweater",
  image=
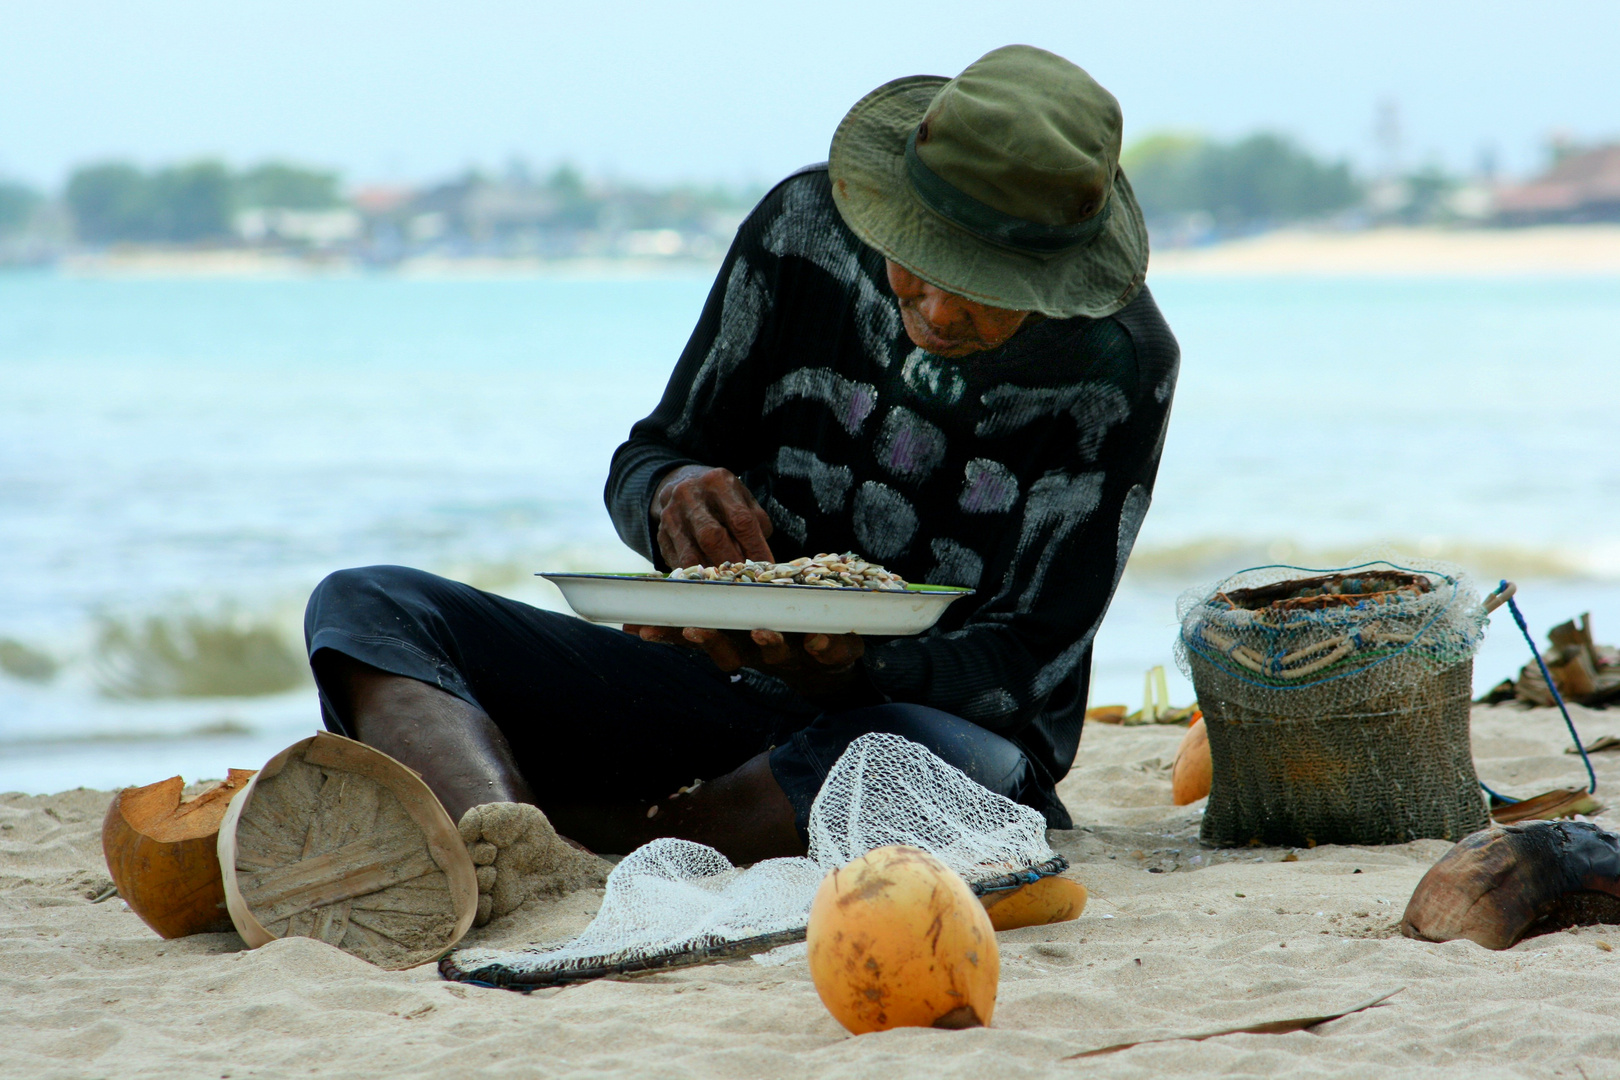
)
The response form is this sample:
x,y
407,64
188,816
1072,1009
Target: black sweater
x,y
1023,472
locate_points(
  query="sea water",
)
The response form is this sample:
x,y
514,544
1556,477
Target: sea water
x,y
181,460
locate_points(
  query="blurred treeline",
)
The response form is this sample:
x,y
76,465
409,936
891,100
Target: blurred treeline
x,y
276,204
187,203
18,205
1260,180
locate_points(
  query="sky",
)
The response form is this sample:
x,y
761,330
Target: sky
x,y
741,93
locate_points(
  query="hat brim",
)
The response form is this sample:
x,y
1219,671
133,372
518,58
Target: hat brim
x,y
867,166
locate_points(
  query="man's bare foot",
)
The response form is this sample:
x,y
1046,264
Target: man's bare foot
x,y
520,856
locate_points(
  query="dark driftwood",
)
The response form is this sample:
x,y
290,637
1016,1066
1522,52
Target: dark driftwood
x,y
1269,1027
1548,806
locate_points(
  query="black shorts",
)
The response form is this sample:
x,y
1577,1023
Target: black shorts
x,y
595,715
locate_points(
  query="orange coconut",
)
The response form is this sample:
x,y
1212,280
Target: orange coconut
x,y
1049,900
1192,771
162,853
899,940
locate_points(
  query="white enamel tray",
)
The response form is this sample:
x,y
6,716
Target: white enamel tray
x,y
724,605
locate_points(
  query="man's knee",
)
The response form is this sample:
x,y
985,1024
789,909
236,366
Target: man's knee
x,y
356,581
343,590
986,758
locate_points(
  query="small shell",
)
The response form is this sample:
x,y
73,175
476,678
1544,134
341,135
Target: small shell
x,y
825,571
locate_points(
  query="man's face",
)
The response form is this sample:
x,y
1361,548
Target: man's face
x,y
946,324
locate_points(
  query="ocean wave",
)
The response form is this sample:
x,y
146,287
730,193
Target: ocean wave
x,y
182,647
250,649
217,729
27,663
223,654
1213,557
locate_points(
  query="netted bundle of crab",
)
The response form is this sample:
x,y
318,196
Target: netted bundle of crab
x,y
1336,703
1265,635
846,571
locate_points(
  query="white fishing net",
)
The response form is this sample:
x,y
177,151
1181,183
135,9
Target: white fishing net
x,y
674,902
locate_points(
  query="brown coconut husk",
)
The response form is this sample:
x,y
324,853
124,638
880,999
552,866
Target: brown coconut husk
x,y
337,841
1343,589
162,853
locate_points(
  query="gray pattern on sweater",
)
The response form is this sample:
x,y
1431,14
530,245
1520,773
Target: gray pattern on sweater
x,y
829,483
909,446
884,521
747,300
958,565
988,487
851,402
808,228
1095,407
1056,505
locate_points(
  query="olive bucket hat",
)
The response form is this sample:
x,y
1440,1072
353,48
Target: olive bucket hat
x,y
1002,185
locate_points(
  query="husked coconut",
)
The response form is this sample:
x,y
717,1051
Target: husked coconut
x,y
898,940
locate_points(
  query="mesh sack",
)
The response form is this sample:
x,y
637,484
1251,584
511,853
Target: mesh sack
x,y
1337,703
672,903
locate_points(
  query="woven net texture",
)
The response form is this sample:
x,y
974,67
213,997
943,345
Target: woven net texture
x,y
1337,703
674,902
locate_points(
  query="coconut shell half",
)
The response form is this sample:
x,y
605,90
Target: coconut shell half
x,y
1193,771
1040,903
162,853
337,841
1516,881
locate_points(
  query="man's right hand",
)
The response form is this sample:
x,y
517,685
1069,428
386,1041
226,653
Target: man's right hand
x,y
706,517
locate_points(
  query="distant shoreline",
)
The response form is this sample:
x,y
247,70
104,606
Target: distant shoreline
x,y
250,264
1545,251
1558,250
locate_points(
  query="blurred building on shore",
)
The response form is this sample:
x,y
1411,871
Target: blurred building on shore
x,y
562,216
1582,186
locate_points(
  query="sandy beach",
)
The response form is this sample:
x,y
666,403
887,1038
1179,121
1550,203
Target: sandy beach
x,y
1553,251
1176,939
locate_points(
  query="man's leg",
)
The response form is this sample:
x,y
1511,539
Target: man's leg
x,y
459,752
743,814
494,701
466,761
802,762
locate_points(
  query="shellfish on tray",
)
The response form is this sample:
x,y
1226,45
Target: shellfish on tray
x,y
829,594
846,571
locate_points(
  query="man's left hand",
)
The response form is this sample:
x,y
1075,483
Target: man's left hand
x,y
815,665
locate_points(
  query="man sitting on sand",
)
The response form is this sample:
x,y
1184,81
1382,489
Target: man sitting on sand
x,y
937,351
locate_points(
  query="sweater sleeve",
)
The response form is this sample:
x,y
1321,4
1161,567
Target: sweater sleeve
x,y
704,416
1053,575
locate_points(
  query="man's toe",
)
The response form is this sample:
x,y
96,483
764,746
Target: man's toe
x,y
471,825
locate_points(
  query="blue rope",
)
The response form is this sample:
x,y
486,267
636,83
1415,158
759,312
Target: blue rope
x,y
1524,629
